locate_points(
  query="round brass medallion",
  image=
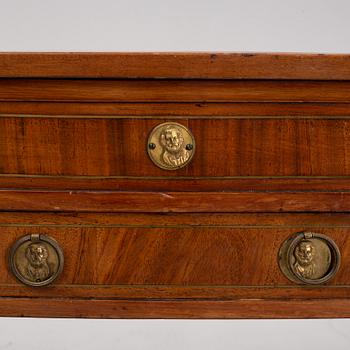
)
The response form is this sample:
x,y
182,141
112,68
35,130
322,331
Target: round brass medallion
x,y
309,258
36,260
171,146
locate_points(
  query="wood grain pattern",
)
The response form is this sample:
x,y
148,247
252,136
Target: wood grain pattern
x,y
218,225
174,292
190,309
234,147
176,184
106,247
272,160
177,253
168,202
176,65
175,109
173,90
311,220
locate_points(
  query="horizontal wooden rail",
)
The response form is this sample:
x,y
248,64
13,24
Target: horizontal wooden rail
x,y
177,183
174,109
173,90
241,308
210,65
109,201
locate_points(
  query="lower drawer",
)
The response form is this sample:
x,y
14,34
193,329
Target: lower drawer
x,y
209,265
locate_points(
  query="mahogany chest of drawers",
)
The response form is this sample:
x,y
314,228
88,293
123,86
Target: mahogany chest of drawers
x,y
174,185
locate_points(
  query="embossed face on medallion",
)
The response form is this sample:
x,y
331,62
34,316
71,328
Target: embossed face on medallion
x,y
174,152
310,258
171,146
36,260
304,254
38,269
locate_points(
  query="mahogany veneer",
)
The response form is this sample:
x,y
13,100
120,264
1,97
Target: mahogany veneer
x,y
227,147
272,160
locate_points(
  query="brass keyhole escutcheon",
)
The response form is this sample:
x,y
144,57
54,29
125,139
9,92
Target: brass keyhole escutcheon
x,y
309,258
171,146
36,260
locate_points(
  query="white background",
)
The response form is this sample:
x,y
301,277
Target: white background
x,y
179,25
165,25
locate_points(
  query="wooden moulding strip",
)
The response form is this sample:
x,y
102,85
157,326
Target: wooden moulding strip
x,y
113,201
151,91
240,308
179,65
178,292
176,183
174,109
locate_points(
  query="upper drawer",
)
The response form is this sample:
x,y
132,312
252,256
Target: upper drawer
x,y
225,146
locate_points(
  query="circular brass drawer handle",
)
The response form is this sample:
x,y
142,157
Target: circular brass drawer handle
x,y
171,146
309,258
36,260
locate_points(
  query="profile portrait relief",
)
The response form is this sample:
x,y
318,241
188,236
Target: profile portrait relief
x,y
37,269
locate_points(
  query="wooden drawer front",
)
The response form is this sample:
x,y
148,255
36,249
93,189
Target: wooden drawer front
x,y
187,255
224,147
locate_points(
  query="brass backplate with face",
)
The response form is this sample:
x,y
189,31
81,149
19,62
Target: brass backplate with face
x,y
36,260
171,146
309,258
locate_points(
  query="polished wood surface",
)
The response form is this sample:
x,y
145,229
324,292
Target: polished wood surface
x,y
148,90
271,160
179,183
189,309
176,109
176,292
168,202
138,256
225,147
209,65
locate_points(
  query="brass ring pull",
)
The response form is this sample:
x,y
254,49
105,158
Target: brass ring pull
x,y
36,260
309,258
171,146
